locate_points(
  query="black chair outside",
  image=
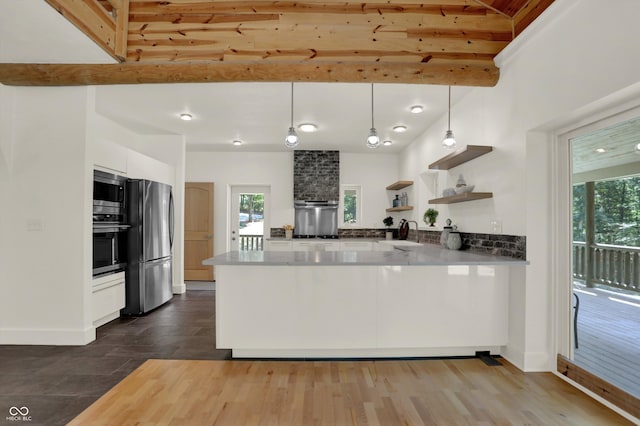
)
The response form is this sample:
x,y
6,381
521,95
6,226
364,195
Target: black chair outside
x,y
576,307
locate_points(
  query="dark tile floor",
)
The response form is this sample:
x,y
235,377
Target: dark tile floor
x,y
56,383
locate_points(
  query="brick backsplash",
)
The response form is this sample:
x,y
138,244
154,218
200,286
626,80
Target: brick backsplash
x,y
316,175
514,246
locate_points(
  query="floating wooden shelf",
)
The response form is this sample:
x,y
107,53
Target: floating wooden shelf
x,y
399,185
459,157
459,198
399,209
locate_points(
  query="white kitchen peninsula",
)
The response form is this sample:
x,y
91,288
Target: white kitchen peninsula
x,y
418,301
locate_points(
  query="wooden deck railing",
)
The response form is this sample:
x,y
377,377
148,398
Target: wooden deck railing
x,y
614,266
250,242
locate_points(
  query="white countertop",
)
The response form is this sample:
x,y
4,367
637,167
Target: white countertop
x,y
423,254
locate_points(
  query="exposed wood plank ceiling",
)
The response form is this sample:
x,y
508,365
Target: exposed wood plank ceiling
x,y
450,42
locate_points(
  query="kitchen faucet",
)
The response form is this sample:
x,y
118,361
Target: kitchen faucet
x,y
417,235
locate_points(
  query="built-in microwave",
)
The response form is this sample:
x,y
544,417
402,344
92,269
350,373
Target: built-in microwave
x,y
109,198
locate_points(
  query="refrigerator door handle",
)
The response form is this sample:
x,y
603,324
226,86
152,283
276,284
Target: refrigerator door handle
x,y
171,219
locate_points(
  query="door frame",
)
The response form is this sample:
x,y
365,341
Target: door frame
x,y
552,140
563,221
232,219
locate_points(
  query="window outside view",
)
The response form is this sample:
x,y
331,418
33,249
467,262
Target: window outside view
x,y
350,206
251,221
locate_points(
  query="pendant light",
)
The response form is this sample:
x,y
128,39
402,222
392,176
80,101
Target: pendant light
x,y
291,141
373,141
449,142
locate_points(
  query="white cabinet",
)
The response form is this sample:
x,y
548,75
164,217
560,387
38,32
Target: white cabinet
x,y
110,157
108,297
277,245
313,308
356,245
313,245
322,245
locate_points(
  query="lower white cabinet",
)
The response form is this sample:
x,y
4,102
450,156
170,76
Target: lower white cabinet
x,y
323,245
108,297
356,245
308,245
278,245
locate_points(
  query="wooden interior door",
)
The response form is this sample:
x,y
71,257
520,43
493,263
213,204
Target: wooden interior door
x,y
198,231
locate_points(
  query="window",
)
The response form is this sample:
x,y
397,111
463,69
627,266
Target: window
x,y
350,205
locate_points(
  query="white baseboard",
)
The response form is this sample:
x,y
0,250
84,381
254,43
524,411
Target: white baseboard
x,y
58,337
105,319
179,288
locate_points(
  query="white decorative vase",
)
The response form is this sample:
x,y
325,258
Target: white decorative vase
x,y
389,235
288,234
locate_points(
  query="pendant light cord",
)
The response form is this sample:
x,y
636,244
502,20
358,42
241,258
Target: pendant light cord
x,y
292,104
372,126
449,120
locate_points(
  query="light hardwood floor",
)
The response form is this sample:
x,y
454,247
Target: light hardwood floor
x,y
383,392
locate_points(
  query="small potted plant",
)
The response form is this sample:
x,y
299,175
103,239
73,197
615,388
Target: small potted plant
x,y
430,216
388,221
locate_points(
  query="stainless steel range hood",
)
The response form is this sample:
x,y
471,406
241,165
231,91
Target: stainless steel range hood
x,y
317,219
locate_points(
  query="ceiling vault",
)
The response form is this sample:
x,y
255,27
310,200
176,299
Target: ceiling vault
x,y
449,42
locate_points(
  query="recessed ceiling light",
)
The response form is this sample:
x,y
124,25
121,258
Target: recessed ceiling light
x,y
237,142
638,148
387,142
186,117
416,109
308,127
600,150
400,129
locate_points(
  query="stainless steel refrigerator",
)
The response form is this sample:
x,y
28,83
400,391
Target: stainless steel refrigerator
x,y
149,267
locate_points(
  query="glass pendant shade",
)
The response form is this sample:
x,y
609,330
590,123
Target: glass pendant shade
x,y
373,141
449,141
291,141
292,138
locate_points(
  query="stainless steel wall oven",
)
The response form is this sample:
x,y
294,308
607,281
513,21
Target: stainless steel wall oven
x,y
110,224
109,249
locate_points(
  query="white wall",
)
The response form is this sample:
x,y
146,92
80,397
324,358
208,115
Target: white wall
x,y
46,214
274,169
47,156
545,76
373,172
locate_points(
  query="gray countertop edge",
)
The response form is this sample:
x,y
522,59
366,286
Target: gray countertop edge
x,y
430,255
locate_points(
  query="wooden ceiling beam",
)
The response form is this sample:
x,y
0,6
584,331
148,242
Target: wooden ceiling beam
x,y
159,8
92,19
485,74
122,29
